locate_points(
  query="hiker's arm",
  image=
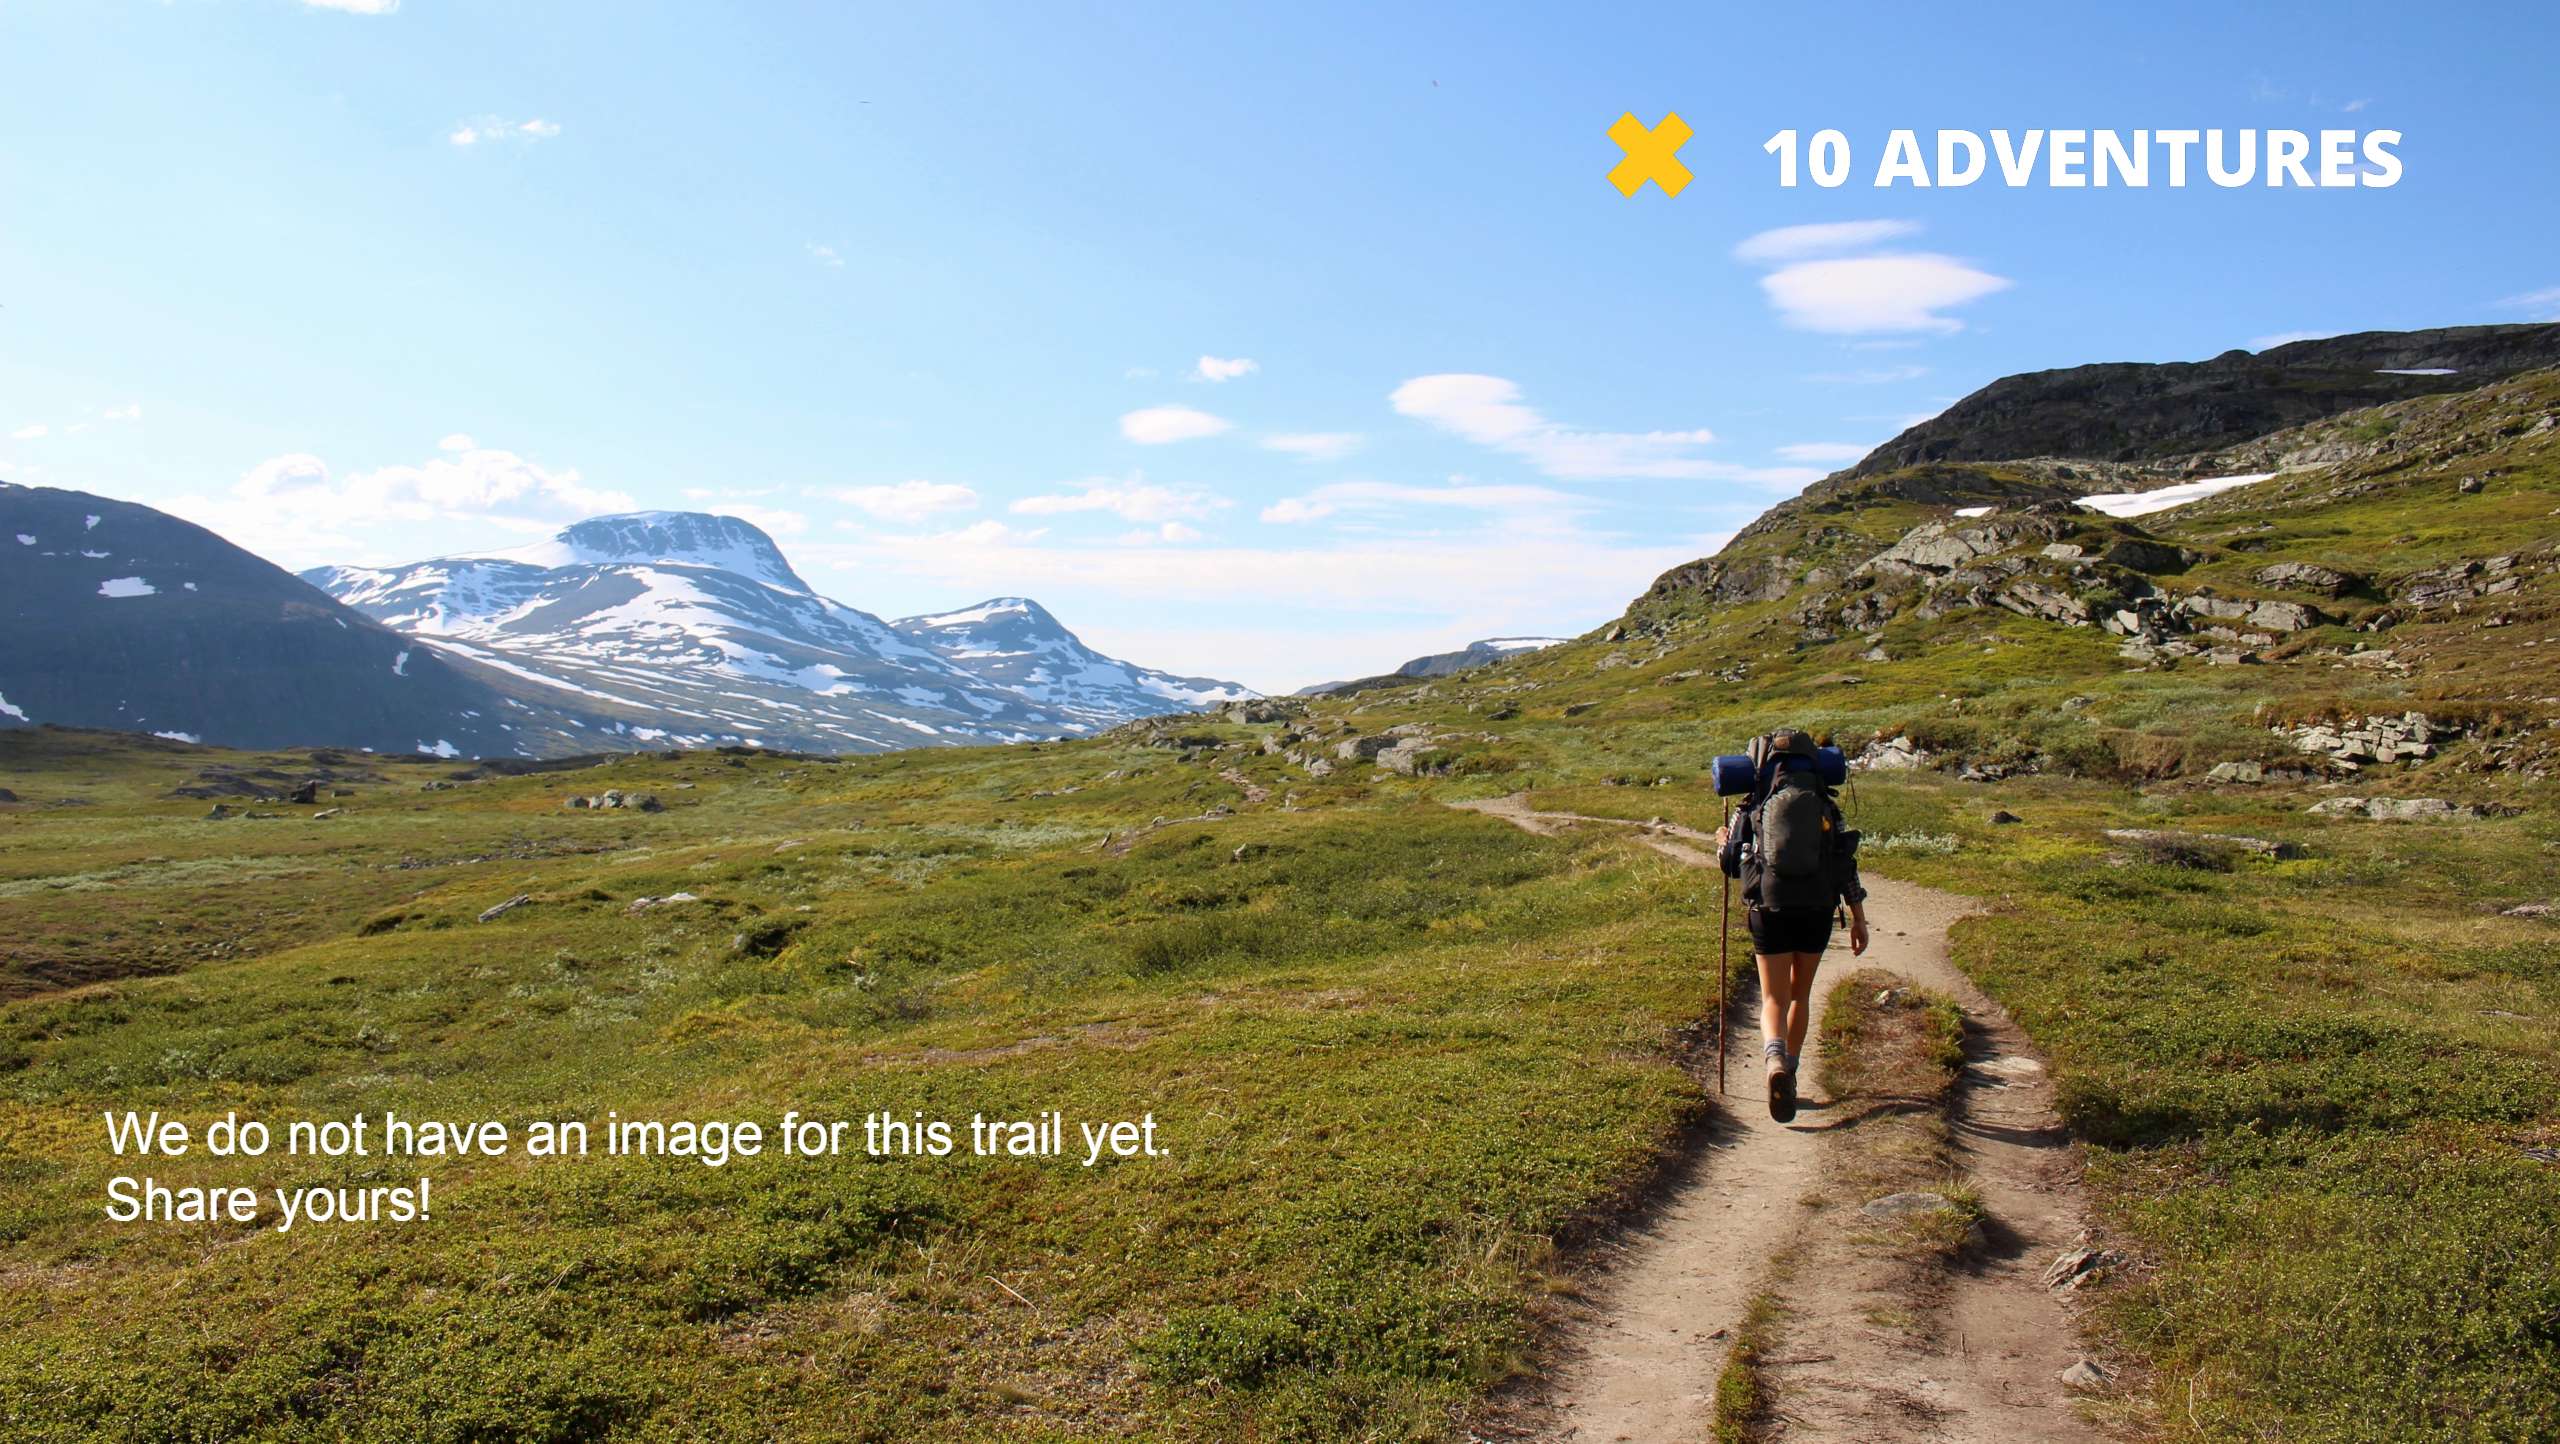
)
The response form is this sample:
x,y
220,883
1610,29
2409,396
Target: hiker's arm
x,y
1729,848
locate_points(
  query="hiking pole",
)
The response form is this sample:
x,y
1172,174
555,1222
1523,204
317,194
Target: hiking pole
x,y
1724,957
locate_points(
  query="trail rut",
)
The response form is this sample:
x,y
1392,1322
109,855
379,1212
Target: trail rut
x,y
1641,1365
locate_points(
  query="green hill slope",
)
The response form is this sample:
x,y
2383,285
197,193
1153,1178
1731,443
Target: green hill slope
x,y
1404,1060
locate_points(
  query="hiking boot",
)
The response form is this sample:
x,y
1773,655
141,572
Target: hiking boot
x,y
1782,1087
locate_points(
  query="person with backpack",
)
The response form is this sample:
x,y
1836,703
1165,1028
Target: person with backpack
x,y
1797,862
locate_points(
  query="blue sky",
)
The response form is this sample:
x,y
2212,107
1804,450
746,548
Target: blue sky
x,y
929,290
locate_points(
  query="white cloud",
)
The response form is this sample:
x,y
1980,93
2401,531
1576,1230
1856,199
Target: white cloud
x,y
1872,376
29,432
2352,106
1511,503
1823,451
909,502
1358,604
1217,368
2281,338
130,411
1172,531
1314,445
1487,410
1159,425
491,128
1133,500
1297,509
2544,305
826,256
1829,238
293,510
1854,294
353,7
774,520
457,441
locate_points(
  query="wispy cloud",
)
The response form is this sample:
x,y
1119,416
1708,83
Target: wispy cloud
x,y
1817,288
1378,497
353,7
1871,376
491,130
295,510
1824,452
1314,445
1855,294
30,431
1160,425
1135,499
2542,305
1488,411
909,503
1829,238
826,256
1220,368
2352,106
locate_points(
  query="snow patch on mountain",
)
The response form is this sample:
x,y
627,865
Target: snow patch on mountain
x,y
126,587
2143,503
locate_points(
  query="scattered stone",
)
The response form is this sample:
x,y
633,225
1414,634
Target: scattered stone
x,y
324,814
2079,1266
644,904
2409,737
2399,809
1247,850
2468,486
2237,772
436,786
7,796
504,908
2533,910
221,813
2305,577
2087,1374
1892,754
306,793
2004,818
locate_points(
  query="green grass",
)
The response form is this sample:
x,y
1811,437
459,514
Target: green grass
x,y
1404,1058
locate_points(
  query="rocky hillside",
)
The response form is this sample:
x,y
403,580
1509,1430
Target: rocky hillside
x,y
2130,411
2369,601
118,616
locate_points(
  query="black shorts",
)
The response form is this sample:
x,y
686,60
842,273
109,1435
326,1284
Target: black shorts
x,y
1773,932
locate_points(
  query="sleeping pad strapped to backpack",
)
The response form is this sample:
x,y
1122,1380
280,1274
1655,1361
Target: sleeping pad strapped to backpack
x,y
1799,849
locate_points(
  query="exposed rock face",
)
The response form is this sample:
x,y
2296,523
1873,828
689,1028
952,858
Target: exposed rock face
x,y
2306,577
1892,754
2409,737
2451,586
2397,809
2128,411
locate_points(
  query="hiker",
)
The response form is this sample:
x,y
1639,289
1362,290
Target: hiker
x,y
1797,863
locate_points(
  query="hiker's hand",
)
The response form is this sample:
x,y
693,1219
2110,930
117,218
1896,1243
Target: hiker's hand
x,y
1723,835
1857,936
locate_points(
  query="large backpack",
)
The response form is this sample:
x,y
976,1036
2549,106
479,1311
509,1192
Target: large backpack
x,y
1797,857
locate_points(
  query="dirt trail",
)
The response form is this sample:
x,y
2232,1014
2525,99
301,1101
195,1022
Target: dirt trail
x,y
1642,1366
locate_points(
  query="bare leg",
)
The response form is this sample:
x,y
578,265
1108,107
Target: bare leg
x,y
1777,993
1800,989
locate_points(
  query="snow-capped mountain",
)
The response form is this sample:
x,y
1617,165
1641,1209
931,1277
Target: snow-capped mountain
x,y
115,615
1014,643
693,629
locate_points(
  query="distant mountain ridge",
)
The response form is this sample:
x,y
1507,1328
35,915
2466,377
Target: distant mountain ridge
x,y
114,615
1014,643
694,629
1482,653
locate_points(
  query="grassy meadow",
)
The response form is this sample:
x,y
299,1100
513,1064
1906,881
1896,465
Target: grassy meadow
x,y
1403,1059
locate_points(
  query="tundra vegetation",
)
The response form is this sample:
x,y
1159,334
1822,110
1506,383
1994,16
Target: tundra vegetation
x,y
1404,1059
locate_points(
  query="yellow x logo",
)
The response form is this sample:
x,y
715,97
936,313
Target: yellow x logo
x,y
1652,155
